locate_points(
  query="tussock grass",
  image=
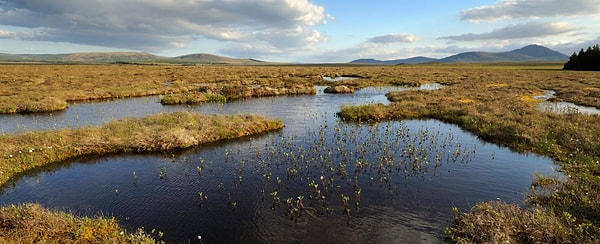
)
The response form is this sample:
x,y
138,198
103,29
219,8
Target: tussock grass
x,y
42,87
31,223
490,100
161,132
497,222
233,92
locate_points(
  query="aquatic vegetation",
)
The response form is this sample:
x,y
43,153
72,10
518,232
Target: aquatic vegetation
x,y
320,159
501,116
339,159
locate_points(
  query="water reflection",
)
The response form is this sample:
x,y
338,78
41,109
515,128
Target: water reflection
x,y
98,113
562,107
339,78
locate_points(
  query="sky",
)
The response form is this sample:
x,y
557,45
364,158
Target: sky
x,y
297,30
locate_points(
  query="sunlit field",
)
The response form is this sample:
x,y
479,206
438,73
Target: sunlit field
x,y
498,103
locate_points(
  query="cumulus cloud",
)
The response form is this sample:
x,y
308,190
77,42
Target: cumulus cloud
x,y
153,25
528,8
394,38
526,30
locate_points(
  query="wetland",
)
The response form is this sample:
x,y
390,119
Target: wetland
x,y
436,143
396,180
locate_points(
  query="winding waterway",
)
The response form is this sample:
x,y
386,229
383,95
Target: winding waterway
x,y
317,180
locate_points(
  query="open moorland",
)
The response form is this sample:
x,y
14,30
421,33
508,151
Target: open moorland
x,y
493,101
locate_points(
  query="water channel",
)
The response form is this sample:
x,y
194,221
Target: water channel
x,y
317,180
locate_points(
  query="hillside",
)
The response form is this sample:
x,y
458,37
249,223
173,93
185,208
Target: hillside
x,y
525,54
212,59
413,60
123,57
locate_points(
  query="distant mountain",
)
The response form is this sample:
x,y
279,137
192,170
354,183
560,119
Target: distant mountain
x,y
525,54
213,59
91,57
124,58
541,52
110,57
413,60
485,57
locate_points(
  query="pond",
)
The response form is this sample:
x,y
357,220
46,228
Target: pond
x,y
562,107
317,180
339,78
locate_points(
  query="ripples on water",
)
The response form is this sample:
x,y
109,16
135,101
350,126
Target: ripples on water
x,y
410,174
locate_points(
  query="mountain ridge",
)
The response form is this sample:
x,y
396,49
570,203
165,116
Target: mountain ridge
x,y
526,54
529,53
124,58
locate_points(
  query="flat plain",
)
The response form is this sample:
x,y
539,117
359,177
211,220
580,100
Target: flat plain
x,y
493,101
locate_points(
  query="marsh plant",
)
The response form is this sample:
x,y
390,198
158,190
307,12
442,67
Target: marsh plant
x,y
337,162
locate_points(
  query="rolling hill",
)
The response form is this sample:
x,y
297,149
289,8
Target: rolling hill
x,y
413,60
526,54
204,58
123,58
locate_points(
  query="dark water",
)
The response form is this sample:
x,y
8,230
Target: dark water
x,y
392,182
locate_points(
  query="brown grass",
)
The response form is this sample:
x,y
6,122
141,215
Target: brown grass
x,y
507,115
39,88
161,132
31,223
497,222
492,101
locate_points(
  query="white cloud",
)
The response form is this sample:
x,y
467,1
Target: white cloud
x,y
17,35
394,38
518,9
153,25
526,30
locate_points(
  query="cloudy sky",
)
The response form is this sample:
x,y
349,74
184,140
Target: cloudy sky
x,y
297,30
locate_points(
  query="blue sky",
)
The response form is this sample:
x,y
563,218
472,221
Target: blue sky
x,y
297,30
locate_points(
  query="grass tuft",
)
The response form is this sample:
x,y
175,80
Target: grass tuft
x,y
31,223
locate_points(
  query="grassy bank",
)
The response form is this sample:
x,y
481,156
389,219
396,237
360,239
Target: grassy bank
x,y
31,223
28,88
213,93
496,104
162,132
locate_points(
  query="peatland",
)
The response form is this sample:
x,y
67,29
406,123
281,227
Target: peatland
x,y
496,103
493,101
